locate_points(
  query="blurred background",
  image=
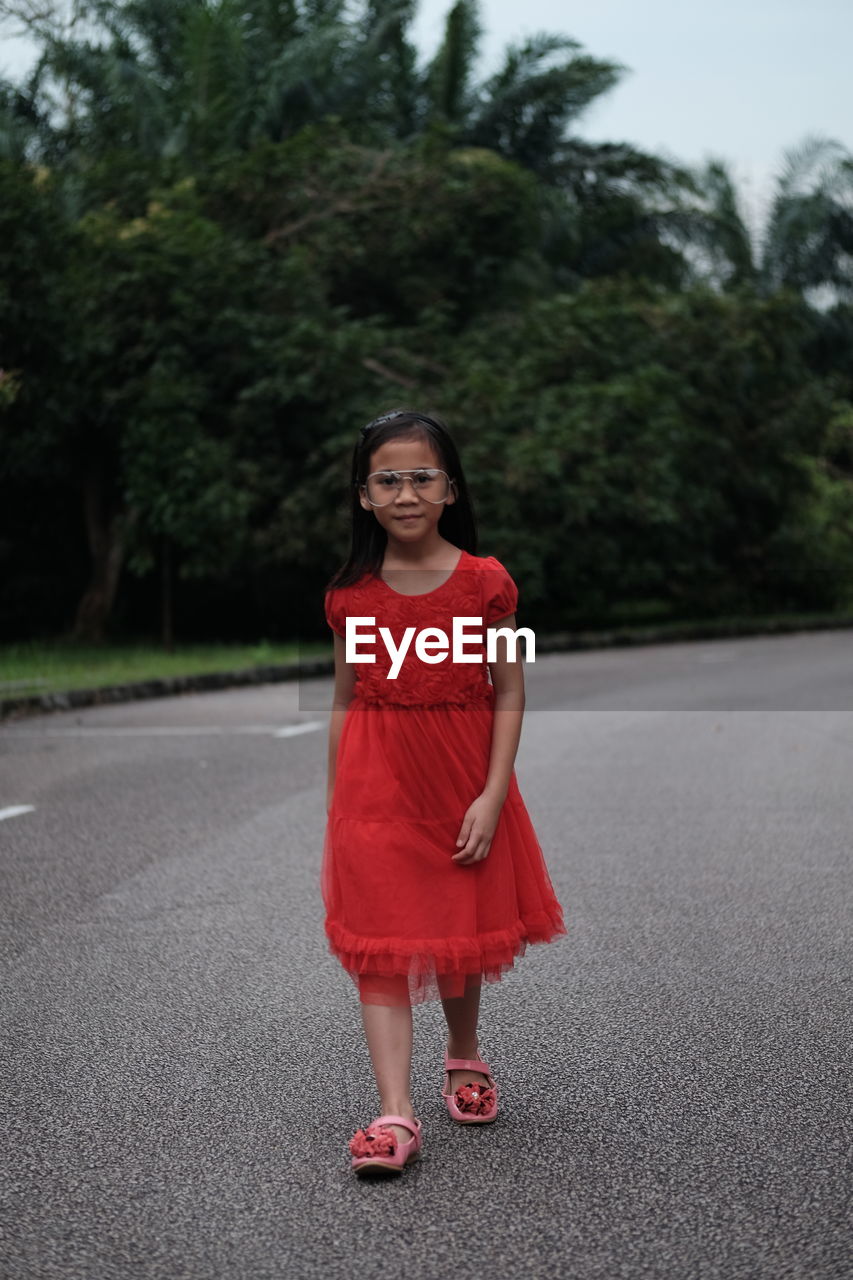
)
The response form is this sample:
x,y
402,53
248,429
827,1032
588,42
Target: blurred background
x,y
612,245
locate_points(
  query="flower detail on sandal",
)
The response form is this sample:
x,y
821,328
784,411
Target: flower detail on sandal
x,y
377,1142
475,1102
475,1099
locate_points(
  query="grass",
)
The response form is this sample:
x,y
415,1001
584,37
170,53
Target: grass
x,y
722,625
44,666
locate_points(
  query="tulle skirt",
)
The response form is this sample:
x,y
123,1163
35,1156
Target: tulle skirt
x,y
406,922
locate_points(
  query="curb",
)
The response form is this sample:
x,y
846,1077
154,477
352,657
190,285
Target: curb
x,y
556,642
165,687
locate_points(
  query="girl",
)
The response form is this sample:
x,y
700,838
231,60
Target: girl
x,y
432,877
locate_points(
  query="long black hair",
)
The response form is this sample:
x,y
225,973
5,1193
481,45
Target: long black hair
x,y
457,523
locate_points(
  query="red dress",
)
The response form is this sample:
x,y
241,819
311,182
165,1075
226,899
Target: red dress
x,y
412,755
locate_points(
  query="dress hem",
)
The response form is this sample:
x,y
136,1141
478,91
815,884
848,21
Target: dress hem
x,y
426,961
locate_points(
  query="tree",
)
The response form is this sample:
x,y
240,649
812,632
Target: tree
x,y
646,444
806,243
184,80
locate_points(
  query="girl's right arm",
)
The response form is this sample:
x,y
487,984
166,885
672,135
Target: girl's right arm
x,y
345,676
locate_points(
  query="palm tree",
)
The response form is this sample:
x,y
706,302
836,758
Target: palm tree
x,y
806,243
808,240
193,77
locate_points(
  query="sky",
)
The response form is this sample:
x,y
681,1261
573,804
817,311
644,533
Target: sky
x,y
740,80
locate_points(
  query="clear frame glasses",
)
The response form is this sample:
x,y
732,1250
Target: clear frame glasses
x,y
382,487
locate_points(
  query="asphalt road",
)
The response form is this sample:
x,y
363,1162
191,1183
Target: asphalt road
x,y
182,1058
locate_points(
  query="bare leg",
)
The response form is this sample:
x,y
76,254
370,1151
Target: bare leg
x,y
462,1013
388,1029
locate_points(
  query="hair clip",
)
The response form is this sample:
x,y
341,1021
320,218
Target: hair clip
x,y
385,417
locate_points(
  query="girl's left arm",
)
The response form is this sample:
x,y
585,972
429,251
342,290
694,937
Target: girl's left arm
x,y
481,820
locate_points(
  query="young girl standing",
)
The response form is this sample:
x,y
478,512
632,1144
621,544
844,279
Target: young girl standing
x,y
433,879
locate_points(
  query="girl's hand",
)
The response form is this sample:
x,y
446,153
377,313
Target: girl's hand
x,y
478,827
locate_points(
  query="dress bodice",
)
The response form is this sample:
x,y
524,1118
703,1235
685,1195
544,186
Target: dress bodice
x,y
479,589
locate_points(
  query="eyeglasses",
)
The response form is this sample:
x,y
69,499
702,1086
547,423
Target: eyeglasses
x,y
382,487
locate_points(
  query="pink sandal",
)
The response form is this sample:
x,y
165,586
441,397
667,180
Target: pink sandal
x,y
474,1102
377,1149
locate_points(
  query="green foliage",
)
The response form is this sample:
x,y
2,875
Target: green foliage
x,y
642,441
449,75
807,241
36,337
230,234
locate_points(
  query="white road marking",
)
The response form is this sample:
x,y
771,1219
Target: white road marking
x,y
159,731
291,730
14,809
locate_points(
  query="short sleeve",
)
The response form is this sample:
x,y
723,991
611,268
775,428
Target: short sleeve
x,y
335,613
501,593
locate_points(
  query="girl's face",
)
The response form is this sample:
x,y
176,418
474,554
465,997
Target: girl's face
x,y
409,516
